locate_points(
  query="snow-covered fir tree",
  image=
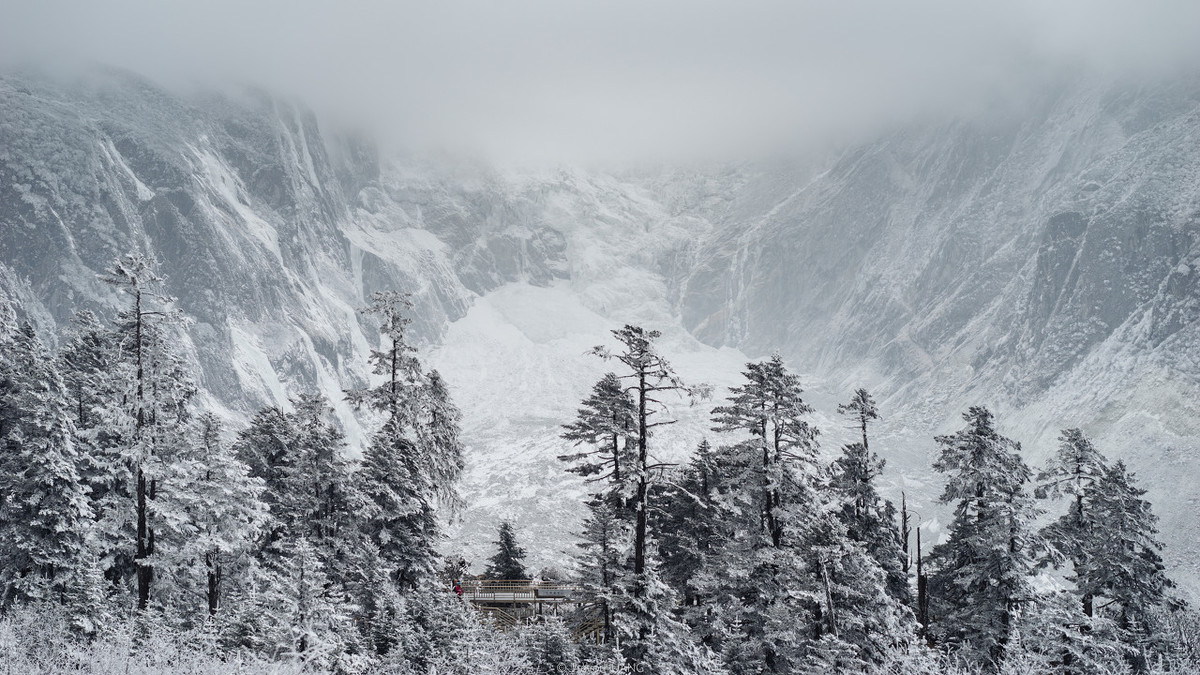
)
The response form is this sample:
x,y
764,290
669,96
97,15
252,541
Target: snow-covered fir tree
x,y
766,602
1124,566
689,519
1072,473
306,619
413,462
603,565
224,509
508,562
793,590
45,516
146,416
329,499
643,606
1107,536
85,358
269,447
604,424
980,584
869,519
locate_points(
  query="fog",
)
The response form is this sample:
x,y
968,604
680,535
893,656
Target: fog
x,y
565,80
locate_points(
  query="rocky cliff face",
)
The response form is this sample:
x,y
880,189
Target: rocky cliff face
x,y
269,232
1005,248
1042,260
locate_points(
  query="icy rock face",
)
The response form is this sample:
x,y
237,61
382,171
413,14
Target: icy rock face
x,y
1007,247
1041,263
269,232
1042,260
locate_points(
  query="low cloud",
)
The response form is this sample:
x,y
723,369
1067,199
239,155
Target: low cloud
x,y
565,80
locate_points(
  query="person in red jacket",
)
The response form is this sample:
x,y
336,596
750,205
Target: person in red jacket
x,y
457,588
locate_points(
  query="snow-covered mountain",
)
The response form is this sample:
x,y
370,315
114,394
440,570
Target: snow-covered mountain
x,y
1041,259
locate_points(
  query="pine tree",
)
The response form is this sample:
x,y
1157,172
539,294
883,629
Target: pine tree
x,y
604,423
649,376
770,407
225,514
84,359
327,499
439,433
1073,473
1125,565
413,463
603,570
328,496
508,561
1107,536
869,519
44,511
152,410
759,579
85,600
981,582
688,519
269,447
550,648
312,493
303,607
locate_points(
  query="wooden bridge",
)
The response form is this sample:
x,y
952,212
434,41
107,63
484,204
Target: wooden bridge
x,y
510,602
514,592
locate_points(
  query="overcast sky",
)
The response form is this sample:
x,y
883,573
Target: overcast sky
x,y
575,81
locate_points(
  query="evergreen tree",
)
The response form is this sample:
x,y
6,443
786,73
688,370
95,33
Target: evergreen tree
x,y
44,511
1125,565
688,521
88,359
439,434
326,495
269,447
85,357
605,549
1107,535
981,582
413,463
304,608
1073,473
644,612
507,563
652,639
759,579
869,519
863,410
85,600
605,423
550,648
401,521
649,376
147,414
312,493
225,514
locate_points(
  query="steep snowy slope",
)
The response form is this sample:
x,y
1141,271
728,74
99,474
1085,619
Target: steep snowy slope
x,y
1042,260
1041,263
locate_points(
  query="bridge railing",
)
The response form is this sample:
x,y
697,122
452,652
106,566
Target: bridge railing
x,y
519,590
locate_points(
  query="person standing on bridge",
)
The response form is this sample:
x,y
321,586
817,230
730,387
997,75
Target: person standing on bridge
x,y
458,588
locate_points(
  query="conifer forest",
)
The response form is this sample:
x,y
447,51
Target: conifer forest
x,y
599,337
141,532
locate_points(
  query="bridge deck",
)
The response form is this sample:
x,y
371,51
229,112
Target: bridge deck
x,y
518,591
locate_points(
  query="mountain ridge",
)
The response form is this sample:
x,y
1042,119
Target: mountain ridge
x,y
1043,263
